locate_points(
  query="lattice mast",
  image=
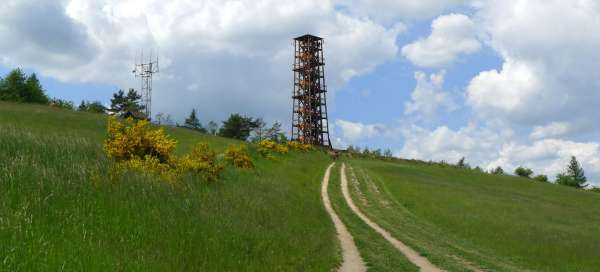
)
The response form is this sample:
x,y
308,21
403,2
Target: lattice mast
x,y
309,123
144,70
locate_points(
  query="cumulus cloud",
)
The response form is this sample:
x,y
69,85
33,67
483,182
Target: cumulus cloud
x,y
549,72
354,131
451,36
42,34
391,10
552,130
490,147
428,96
217,56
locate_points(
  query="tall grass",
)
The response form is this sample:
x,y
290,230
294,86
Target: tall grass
x,y
58,211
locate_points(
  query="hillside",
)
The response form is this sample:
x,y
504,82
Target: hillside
x,y
58,212
464,220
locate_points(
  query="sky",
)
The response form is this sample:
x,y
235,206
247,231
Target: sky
x,y
500,82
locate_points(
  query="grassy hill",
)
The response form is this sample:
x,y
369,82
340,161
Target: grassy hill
x,y
58,212
458,217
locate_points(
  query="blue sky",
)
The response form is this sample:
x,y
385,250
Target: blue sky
x,y
502,83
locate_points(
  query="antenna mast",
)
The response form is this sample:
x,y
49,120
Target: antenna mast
x,y
144,70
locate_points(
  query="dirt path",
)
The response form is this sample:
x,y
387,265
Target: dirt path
x,y
412,255
351,260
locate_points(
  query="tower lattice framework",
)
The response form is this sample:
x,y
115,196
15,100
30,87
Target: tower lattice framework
x,y
145,70
309,123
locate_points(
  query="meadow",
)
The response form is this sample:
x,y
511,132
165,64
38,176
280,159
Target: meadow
x,y
461,219
59,211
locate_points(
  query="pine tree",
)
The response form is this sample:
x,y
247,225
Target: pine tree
x,y
35,92
127,104
237,127
574,176
461,162
192,122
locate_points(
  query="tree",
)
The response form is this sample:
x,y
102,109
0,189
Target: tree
x,y
237,127
388,154
192,122
259,130
498,171
35,92
93,107
461,162
126,104
595,189
19,87
523,172
213,127
574,175
377,153
61,103
541,178
273,133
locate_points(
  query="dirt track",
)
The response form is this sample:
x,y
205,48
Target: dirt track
x,y
410,254
351,260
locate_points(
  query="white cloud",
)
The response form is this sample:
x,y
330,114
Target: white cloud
x,y
490,147
354,131
551,156
550,57
451,36
428,96
552,130
392,10
442,143
235,54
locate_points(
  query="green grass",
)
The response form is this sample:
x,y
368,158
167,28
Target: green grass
x,y
58,212
500,223
378,254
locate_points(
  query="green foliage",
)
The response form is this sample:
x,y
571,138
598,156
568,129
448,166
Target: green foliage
x,y
193,123
462,164
237,127
541,178
126,105
595,189
19,87
93,107
201,161
498,171
61,104
523,172
237,155
574,175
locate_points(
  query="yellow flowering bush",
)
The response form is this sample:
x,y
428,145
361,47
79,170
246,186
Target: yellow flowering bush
x,y
238,156
131,139
295,145
203,161
135,147
267,147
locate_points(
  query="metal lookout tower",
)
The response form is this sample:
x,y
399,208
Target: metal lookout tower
x,y
309,123
145,70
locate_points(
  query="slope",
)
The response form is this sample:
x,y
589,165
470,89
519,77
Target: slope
x,y
57,212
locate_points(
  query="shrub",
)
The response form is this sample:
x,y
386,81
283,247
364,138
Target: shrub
x,y
541,178
237,155
134,146
267,147
61,104
523,172
295,145
202,161
131,139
